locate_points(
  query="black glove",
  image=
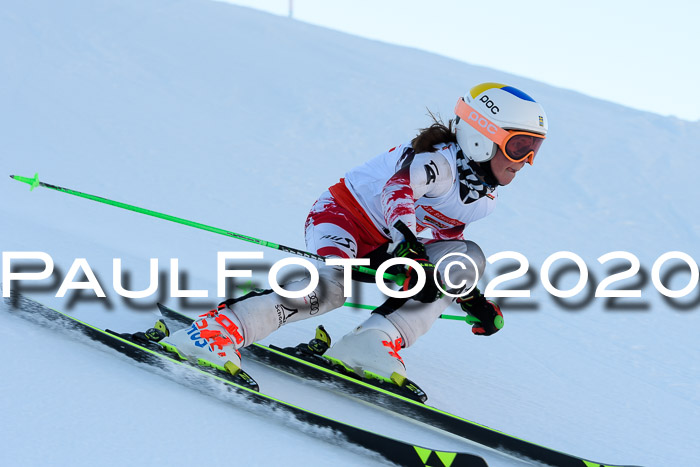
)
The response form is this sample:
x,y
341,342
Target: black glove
x,y
487,312
411,248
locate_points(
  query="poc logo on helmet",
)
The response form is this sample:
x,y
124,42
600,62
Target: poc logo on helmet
x,y
489,104
482,122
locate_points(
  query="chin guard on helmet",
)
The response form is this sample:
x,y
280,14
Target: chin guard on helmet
x,y
477,147
487,116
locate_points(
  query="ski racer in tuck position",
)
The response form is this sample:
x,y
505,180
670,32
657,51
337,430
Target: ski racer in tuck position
x,y
444,179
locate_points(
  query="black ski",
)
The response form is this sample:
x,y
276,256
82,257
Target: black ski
x,y
393,450
289,361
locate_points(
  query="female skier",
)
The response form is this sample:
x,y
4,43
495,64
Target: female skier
x,y
444,179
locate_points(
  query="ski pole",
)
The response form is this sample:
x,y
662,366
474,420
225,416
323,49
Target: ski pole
x,y
34,182
468,319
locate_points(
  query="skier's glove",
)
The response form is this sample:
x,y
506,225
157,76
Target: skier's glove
x,y
488,313
411,248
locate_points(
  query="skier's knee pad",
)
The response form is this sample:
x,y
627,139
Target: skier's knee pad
x,y
463,264
458,274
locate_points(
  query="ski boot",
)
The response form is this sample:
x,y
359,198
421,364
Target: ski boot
x,y
368,354
212,341
372,351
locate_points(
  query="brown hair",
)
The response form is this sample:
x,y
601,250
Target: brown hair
x,y
436,133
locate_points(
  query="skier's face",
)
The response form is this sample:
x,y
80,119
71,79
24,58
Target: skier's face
x,y
503,169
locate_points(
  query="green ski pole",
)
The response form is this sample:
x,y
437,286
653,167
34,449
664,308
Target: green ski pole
x,y
468,319
34,182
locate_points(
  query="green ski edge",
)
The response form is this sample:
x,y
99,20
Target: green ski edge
x,y
586,463
390,448
572,460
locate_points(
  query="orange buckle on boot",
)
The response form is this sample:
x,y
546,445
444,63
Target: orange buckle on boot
x,y
210,314
230,327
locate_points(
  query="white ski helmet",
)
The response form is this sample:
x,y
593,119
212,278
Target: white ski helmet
x,y
492,108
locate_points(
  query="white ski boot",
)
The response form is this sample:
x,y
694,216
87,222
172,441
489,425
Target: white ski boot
x,y
371,350
213,340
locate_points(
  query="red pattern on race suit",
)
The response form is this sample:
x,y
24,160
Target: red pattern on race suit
x,y
438,211
453,233
397,200
328,209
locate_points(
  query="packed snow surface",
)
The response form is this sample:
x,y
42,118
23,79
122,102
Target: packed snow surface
x,y
238,119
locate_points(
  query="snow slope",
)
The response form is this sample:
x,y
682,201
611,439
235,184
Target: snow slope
x,y
239,119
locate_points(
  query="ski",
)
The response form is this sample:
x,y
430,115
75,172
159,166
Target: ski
x,y
289,361
393,450
241,378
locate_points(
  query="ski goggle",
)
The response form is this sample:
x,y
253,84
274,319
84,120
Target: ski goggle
x,y
517,146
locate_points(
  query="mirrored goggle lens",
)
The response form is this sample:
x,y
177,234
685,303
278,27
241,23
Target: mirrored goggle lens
x,y
520,146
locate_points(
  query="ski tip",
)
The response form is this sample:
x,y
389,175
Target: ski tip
x,y
32,182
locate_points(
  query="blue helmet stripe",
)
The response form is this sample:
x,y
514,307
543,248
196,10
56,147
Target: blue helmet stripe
x,y
518,93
